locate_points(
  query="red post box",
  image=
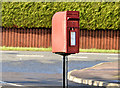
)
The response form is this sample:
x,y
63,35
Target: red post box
x,y
65,32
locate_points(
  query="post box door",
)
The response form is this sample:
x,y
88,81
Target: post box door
x,y
73,40
73,36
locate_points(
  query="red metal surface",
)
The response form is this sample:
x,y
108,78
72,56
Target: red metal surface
x,y
62,24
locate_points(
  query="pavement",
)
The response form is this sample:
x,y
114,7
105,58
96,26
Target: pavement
x,y
103,74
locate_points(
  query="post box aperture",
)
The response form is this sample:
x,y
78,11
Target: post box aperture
x,y
65,32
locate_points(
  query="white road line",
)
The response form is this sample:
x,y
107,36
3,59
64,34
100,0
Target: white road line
x,y
76,57
29,55
96,54
9,51
113,58
13,84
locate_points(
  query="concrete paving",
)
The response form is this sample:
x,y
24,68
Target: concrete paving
x,y
103,74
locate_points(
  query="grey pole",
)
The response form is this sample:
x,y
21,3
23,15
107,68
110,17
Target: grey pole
x,y
65,71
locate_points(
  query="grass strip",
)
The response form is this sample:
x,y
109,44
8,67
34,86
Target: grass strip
x,y
118,76
99,51
50,49
25,49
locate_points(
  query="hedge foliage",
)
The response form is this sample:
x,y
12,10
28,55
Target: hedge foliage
x,y
93,15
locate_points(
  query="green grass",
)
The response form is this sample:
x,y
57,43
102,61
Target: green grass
x,y
50,49
118,76
99,50
25,49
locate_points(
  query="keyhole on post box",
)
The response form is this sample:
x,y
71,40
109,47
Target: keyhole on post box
x,y
72,28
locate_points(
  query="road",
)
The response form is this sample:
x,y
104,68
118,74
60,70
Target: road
x,y
28,68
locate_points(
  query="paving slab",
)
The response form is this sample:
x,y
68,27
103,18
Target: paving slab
x,y
103,74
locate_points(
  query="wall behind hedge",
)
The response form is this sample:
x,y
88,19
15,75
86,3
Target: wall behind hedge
x,y
93,15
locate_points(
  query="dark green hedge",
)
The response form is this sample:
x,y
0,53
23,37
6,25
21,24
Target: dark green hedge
x,y
93,15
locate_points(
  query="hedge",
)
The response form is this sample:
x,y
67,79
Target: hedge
x,y
93,15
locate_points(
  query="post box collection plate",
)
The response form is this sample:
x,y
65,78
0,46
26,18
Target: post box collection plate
x,y
73,38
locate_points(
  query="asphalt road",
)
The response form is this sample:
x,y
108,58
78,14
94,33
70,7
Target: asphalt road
x,y
27,68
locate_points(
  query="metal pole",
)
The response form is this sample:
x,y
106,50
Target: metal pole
x,y
65,71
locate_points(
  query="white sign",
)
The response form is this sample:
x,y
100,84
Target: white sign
x,y
73,38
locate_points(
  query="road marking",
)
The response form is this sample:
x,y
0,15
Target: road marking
x,y
97,54
77,57
8,51
13,84
30,56
113,58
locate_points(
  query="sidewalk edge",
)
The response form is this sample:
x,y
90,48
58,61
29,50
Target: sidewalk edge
x,y
90,81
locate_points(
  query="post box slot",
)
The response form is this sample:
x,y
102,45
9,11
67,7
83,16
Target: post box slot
x,y
72,18
72,28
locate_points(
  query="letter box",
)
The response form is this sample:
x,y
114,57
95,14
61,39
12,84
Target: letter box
x,y
65,32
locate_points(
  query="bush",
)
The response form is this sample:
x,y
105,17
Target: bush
x,y
93,15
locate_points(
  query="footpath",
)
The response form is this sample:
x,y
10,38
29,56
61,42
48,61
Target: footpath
x,y
103,74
